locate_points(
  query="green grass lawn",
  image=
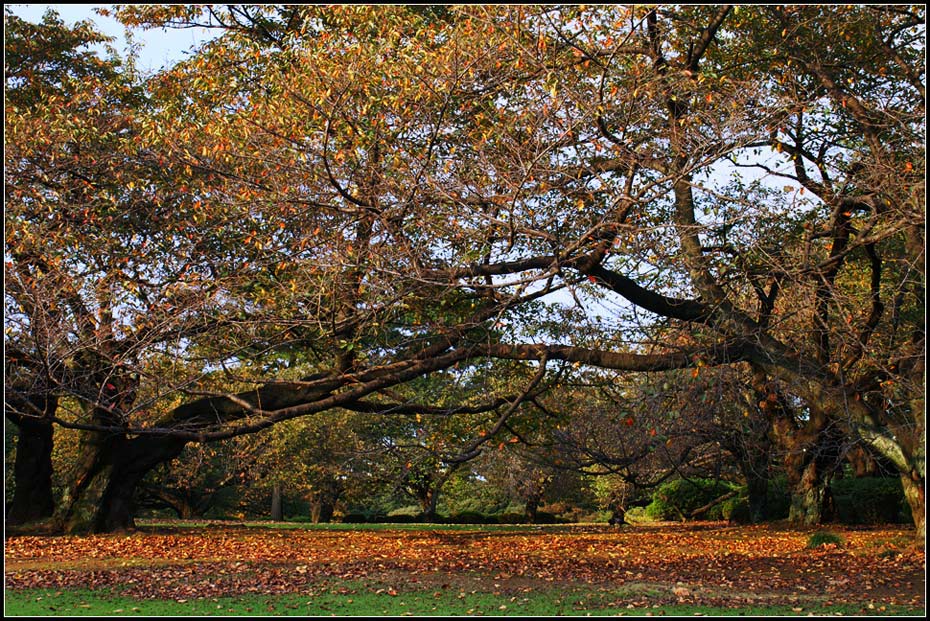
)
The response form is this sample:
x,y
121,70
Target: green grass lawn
x,y
357,600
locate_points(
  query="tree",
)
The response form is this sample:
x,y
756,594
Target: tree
x,y
48,78
394,190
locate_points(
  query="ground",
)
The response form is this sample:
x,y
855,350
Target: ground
x,y
630,568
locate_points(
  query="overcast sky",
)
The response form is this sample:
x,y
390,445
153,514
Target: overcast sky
x,y
159,47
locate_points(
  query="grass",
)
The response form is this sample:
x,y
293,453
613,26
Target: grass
x,y
823,538
356,600
210,568
364,526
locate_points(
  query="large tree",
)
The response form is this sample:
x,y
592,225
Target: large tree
x,y
394,189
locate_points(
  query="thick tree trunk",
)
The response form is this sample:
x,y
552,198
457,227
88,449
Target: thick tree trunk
x,y
531,509
813,451
277,504
811,501
915,493
117,509
88,478
428,501
758,487
32,472
321,510
323,501
131,460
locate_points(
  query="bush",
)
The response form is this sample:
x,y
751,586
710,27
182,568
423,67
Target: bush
x,y
823,538
736,509
687,496
597,516
363,517
404,515
870,500
511,518
778,503
470,517
544,517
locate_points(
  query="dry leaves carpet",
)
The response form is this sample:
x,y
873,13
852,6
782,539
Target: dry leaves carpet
x,y
708,564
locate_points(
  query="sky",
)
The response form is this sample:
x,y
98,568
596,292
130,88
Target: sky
x,y
159,47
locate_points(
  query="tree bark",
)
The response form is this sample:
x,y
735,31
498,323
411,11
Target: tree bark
x,y
531,509
321,510
915,494
277,505
131,460
758,487
428,501
811,501
32,473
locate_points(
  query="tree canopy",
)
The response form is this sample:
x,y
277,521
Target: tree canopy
x,y
365,196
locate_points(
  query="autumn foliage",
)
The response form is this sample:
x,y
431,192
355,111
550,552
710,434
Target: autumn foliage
x,y
712,564
612,232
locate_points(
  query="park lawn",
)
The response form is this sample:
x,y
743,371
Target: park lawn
x,y
660,569
360,599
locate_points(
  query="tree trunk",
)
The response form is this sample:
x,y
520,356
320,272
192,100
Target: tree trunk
x,y
87,480
915,494
322,509
323,505
758,487
177,500
277,505
531,509
116,512
32,474
131,460
428,500
810,497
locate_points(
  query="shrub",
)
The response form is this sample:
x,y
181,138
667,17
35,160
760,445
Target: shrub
x,y
407,511
870,500
736,510
469,517
572,515
778,503
597,516
364,517
511,518
544,517
404,515
822,538
687,496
